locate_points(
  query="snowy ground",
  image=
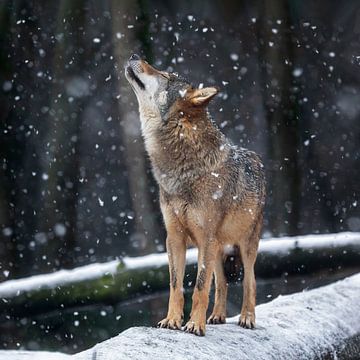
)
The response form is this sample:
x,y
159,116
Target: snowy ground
x,y
298,326
272,245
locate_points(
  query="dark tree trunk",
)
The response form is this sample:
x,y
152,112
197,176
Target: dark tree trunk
x,y
61,163
127,41
277,65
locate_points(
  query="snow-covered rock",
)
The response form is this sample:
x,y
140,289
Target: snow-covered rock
x,y
299,326
33,355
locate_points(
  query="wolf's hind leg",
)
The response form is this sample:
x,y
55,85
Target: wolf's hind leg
x,y
218,315
176,248
248,250
247,316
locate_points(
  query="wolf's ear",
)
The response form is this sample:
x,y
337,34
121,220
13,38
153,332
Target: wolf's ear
x,y
203,96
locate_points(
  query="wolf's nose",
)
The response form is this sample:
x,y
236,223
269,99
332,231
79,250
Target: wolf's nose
x,y
134,57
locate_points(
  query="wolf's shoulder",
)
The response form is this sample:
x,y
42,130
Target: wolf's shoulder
x,y
243,156
246,165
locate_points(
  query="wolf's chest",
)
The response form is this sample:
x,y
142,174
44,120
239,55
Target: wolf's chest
x,y
190,217
170,183
175,182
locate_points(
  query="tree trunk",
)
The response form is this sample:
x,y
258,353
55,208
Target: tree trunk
x,y
126,41
277,61
61,163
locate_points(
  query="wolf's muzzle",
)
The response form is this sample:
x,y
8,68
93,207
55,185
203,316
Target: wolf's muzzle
x,y
132,75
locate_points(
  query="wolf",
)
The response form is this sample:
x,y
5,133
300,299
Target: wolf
x,y
212,193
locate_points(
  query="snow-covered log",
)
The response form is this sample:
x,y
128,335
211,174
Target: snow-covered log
x,y
119,280
305,325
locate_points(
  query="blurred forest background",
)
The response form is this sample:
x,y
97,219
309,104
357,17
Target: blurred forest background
x,y
76,184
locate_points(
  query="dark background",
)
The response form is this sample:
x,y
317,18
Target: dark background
x,y
75,182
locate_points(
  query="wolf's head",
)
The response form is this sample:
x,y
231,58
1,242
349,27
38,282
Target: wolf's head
x,y
159,92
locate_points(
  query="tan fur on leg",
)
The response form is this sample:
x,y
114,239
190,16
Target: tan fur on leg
x,y
206,264
218,315
248,254
176,248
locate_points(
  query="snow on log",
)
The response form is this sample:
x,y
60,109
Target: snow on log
x,y
305,325
119,280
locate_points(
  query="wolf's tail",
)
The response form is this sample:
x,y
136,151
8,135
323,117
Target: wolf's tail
x,y
233,265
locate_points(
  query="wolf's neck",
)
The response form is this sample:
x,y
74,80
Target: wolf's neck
x,y
182,153
150,123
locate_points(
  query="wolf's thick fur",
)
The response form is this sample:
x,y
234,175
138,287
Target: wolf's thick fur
x,y
211,192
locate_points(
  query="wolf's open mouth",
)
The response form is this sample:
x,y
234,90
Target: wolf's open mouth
x,y
132,75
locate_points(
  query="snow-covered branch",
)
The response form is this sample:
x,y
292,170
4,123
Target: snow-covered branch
x,y
118,280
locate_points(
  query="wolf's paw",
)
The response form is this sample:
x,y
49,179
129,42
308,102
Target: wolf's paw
x,y
247,320
216,318
195,327
170,323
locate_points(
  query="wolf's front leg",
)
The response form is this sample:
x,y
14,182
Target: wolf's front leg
x,y
176,248
206,262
